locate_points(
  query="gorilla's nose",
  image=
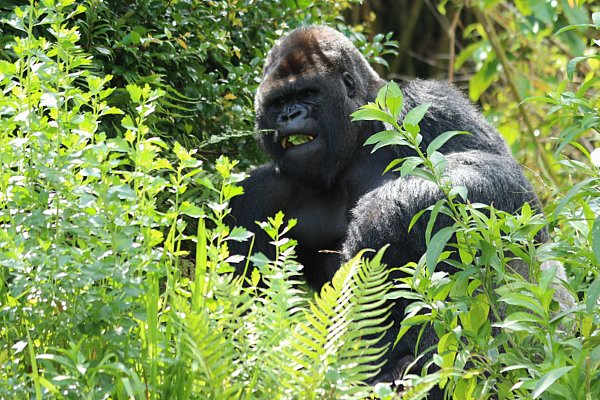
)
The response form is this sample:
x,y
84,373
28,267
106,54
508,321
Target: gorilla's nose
x,y
293,112
294,119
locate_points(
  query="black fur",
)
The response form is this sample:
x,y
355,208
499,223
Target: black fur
x,y
313,80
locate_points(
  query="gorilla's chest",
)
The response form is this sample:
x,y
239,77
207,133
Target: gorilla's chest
x,y
322,220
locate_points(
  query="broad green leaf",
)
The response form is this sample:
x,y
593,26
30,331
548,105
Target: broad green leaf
x,y
522,300
423,174
367,113
435,210
436,246
412,129
112,111
415,115
385,138
461,281
521,316
135,92
464,389
516,326
447,348
482,80
380,99
479,313
132,38
7,69
409,164
381,136
392,164
442,139
394,99
548,379
239,234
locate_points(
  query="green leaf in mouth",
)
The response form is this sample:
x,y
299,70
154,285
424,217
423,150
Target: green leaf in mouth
x,y
296,140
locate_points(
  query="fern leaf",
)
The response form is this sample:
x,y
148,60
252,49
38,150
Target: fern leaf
x,y
335,349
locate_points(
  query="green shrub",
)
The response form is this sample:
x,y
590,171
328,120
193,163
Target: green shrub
x,y
98,300
94,301
205,55
500,335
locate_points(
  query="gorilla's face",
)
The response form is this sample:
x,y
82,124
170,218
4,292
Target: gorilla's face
x,y
303,106
306,129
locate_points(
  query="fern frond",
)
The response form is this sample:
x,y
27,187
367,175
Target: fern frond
x,y
262,331
335,349
202,347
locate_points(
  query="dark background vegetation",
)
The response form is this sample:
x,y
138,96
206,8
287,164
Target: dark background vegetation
x,y
120,126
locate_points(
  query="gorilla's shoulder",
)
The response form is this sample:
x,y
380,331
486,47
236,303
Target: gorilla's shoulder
x,y
442,95
451,110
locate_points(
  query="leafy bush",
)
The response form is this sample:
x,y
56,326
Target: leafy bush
x,y
206,56
97,299
500,335
93,301
525,49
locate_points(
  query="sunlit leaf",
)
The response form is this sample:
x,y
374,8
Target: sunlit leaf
x,y
415,115
548,379
440,140
436,247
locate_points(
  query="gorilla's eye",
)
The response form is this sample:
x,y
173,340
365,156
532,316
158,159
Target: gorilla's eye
x,y
349,82
276,105
310,93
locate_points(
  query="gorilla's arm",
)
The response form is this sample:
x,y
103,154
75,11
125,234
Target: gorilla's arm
x,y
265,193
382,217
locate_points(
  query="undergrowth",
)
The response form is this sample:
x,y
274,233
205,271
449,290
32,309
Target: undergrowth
x,y
94,303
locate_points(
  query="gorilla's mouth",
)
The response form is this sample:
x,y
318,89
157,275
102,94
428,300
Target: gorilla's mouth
x,y
295,140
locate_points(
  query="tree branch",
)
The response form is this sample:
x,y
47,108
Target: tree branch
x,y
542,155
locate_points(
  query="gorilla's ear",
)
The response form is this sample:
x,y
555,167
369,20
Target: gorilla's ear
x,y
350,83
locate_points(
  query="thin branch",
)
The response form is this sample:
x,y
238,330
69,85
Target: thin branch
x,y
452,45
490,32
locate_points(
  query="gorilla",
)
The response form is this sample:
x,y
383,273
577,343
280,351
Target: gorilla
x,y
322,174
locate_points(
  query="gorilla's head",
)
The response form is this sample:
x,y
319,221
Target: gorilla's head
x,y
314,78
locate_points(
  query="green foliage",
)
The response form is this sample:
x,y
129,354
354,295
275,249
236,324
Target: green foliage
x,y
500,335
97,297
206,56
336,345
99,300
533,51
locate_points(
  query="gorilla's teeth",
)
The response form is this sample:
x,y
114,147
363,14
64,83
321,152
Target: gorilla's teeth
x,y
285,143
